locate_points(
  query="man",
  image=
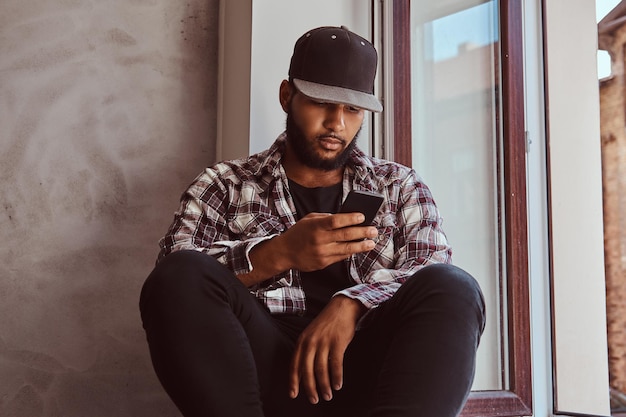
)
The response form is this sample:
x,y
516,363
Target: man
x,y
266,301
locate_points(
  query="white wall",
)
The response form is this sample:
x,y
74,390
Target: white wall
x,y
579,338
272,46
251,117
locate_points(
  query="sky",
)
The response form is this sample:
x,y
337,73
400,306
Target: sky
x,y
475,25
604,61
603,7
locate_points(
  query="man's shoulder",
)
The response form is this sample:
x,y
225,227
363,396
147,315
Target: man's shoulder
x,y
383,168
237,170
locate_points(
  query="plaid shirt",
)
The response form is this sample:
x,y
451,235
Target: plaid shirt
x,y
234,205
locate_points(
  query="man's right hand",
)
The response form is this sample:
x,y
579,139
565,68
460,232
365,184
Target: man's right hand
x,y
313,243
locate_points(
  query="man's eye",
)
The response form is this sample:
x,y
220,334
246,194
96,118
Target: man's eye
x,y
353,109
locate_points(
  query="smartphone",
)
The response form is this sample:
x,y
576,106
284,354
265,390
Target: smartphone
x,y
364,202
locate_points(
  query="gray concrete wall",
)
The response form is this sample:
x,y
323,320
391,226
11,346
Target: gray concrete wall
x,y
107,112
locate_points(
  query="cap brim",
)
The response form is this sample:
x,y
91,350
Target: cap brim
x,y
338,95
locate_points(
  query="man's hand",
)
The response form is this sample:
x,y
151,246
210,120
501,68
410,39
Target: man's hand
x,y
313,243
317,363
320,239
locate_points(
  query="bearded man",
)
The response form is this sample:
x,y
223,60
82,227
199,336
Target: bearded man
x,y
267,301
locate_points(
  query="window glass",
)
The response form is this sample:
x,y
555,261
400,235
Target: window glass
x,y
455,146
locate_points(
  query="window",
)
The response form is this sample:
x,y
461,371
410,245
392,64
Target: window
x,y
458,76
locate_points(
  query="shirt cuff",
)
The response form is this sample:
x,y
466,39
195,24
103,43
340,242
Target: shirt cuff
x,y
238,257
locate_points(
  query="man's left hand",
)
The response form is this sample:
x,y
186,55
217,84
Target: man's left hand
x,y
317,363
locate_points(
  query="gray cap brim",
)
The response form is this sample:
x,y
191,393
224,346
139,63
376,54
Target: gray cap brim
x,y
338,95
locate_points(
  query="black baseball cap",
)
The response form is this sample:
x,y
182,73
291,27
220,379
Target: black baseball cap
x,y
335,65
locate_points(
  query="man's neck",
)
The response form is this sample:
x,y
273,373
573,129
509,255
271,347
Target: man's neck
x,y
317,178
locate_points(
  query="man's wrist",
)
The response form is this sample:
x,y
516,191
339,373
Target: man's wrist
x,y
266,259
351,306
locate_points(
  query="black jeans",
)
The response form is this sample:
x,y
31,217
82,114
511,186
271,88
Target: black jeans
x,y
218,352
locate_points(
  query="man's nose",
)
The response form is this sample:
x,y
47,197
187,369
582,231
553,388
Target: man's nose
x,y
335,117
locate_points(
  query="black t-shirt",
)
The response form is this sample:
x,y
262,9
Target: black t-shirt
x,y
319,286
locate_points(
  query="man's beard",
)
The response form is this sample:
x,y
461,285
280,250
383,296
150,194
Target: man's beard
x,y
305,151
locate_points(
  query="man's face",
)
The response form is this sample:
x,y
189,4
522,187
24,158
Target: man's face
x,y
322,135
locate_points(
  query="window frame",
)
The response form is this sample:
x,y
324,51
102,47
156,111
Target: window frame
x,y
517,399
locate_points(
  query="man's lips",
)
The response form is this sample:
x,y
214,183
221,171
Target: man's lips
x,y
331,143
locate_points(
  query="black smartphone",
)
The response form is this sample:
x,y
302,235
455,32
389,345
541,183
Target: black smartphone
x,y
364,202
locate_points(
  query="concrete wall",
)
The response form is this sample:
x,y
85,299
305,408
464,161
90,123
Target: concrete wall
x,y
107,112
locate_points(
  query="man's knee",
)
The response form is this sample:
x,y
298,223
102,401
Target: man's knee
x,y
448,286
175,278
452,280
173,270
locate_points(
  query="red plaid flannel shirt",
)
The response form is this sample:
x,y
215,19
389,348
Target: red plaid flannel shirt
x,y
234,205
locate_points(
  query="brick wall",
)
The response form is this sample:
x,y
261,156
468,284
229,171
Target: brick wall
x,y
613,137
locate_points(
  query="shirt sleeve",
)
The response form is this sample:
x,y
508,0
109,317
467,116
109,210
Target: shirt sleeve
x,y
418,240
201,224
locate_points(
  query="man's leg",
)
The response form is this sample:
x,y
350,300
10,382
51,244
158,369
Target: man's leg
x,y
213,345
426,337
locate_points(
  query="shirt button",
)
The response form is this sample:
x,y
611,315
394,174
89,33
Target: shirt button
x,y
253,229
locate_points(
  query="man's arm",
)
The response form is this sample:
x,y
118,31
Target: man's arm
x,y
313,243
415,240
317,364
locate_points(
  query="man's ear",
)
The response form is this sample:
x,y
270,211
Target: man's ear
x,y
284,95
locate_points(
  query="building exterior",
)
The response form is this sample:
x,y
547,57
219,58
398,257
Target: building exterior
x,y
612,38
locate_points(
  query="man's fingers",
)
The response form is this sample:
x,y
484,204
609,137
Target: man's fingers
x,y
303,373
335,363
356,233
358,246
294,375
322,375
341,220
307,376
